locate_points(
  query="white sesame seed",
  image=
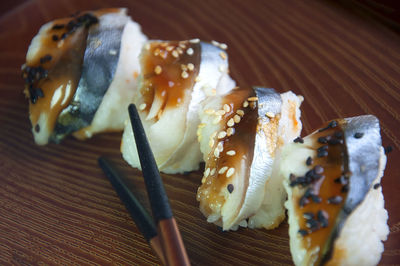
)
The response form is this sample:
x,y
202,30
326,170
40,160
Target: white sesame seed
x,y
194,40
190,66
112,52
220,112
215,43
223,46
231,122
209,111
222,170
189,51
220,146
207,172
270,114
147,46
227,108
211,143
203,180
236,118
252,99
169,48
182,45
230,131
213,171
142,106
158,70
221,134
184,75
230,172
222,55
156,52
231,153
179,49
253,105
245,104
240,112
175,54
217,119
216,152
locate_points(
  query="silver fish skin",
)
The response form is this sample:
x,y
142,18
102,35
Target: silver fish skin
x,y
269,101
363,164
212,67
98,69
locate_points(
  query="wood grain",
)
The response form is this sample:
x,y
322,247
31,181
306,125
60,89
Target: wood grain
x,y
57,207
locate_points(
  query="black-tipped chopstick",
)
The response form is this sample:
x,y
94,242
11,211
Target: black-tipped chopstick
x,y
142,219
170,238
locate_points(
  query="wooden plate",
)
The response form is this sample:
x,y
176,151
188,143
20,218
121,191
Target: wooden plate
x,y
57,207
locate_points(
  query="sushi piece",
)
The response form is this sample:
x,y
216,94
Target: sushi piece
x,y
335,203
240,136
80,74
175,77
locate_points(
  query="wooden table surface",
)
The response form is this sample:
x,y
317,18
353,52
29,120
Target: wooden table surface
x,y
57,207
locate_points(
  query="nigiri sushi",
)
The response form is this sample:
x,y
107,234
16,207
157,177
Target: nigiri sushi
x,y
335,203
175,77
80,74
240,135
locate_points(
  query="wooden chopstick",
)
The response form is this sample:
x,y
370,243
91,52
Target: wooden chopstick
x,y
170,237
138,213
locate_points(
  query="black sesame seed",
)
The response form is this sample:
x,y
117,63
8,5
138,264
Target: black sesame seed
x,y
318,169
37,128
377,185
230,188
39,92
322,218
312,224
332,124
298,140
323,153
45,59
388,149
303,232
316,199
309,173
338,134
303,201
335,200
308,193
308,215
301,180
358,135
323,148
340,180
292,177
307,181
33,98
309,161
322,140
58,26
345,188
55,37
334,141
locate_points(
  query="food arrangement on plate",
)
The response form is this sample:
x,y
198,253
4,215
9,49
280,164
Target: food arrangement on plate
x,y
82,72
